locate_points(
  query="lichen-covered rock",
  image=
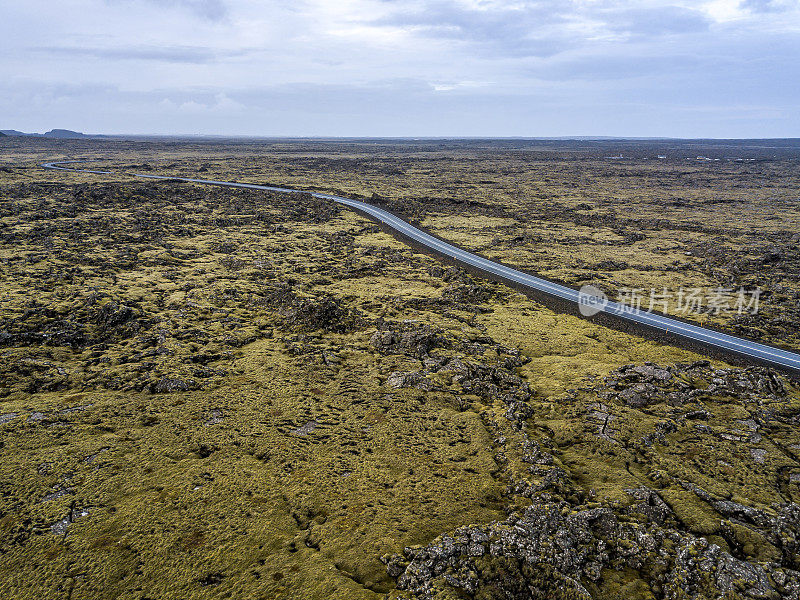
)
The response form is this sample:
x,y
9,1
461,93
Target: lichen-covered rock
x,y
407,338
169,384
556,550
399,379
325,313
642,385
493,382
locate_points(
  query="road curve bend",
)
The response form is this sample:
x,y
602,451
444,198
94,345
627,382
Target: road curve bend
x,y
698,336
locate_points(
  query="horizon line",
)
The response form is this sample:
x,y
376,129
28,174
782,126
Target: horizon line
x,y
393,137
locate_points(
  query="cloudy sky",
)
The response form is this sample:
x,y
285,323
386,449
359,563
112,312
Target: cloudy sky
x,y
720,68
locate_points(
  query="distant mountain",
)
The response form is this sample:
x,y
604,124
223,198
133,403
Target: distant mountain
x,y
61,134
3,134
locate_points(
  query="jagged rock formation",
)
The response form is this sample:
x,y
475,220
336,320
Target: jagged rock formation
x,y
557,551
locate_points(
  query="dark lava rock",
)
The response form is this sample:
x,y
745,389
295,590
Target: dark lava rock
x,y
400,379
407,338
326,313
493,382
466,293
649,504
642,385
558,551
166,385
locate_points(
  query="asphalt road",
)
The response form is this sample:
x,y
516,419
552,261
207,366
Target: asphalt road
x,y
699,336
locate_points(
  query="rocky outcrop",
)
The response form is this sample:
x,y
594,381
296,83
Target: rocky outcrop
x,y
407,338
492,381
326,313
557,551
400,379
642,385
91,320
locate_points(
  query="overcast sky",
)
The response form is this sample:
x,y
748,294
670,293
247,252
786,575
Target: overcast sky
x,y
724,68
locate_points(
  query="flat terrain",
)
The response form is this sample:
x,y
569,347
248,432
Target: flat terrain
x,y
215,393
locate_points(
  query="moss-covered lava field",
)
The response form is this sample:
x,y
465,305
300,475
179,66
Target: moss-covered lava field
x,y
216,393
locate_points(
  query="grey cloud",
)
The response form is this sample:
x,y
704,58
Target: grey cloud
x,y
452,19
657,21
539,28
603,67
518,30
173,54
765,6
210,9
404,107
612,68
213,10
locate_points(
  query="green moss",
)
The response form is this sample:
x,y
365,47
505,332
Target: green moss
x,y
289,465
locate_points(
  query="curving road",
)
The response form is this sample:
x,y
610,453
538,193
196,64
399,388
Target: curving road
x,y
697,335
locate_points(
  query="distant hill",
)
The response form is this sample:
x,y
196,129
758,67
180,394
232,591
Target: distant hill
x,y
62,134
